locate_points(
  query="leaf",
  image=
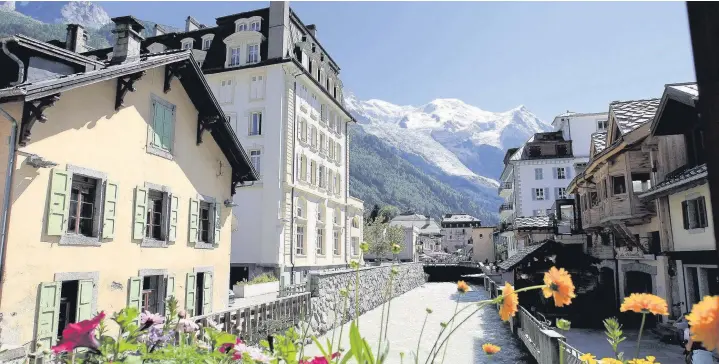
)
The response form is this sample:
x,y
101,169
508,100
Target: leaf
x,y
126,316
347,357
368,349
124,346
133,359
324,352
265,344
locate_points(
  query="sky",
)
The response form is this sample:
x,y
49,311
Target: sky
x,y
550,57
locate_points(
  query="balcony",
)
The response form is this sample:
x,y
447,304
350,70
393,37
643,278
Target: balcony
x,y
601,251
506,207
505,189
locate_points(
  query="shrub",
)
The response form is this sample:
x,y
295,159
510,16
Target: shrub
x,y
262,278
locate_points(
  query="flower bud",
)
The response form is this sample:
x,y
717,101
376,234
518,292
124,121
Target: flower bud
x,y
429,310
396,249
364,247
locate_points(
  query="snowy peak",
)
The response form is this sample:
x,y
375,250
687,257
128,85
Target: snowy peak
x,y
85,13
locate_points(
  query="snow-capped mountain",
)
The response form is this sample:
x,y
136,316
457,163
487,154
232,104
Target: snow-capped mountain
x,y
456,138
86,13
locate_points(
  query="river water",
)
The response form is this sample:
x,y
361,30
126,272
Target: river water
x,y
465,345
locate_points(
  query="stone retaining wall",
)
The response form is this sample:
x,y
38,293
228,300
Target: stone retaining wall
x,y
327,303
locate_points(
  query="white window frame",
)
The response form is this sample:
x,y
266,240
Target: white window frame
x,y
257,87
207,41
234,60
187,43
255,123
336,242
320,241
256,160
241,26
227,88
300,235
561,173
255,25
538,194
561,192
253,57
538,174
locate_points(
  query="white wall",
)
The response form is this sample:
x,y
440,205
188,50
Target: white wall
x,y
525,181
694,239
579,129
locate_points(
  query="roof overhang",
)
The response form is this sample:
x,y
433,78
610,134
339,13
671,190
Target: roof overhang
x,y
677,111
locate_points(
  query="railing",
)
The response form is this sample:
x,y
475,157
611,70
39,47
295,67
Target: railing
x,y
293,289
569,355
504,186
505,207
253,323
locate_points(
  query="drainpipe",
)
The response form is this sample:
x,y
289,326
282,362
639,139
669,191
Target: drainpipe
x,y
5,216
294,180
20,64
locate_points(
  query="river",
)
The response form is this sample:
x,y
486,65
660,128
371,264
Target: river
x,y
465,345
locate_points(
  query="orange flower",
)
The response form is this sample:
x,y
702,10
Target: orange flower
x,y
648,360
610,361
559,284
462,287
704,322
588,358
510,301
645,303
490,349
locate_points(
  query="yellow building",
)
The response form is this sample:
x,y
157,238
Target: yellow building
x,y
120,186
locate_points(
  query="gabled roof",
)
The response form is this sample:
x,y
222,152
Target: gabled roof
x,y
680,178
677,111
521,255
191,78
599,141
532,222
53,50
630,115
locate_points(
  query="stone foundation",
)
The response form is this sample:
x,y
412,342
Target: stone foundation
x,y
327,303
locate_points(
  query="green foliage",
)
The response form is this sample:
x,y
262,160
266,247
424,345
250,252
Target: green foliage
x,y
379,175
381,236
614,333
262,278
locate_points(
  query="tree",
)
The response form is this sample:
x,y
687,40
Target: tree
x,y
373,215
387,213
381,236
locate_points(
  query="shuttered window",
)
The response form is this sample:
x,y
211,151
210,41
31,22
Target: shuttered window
x,y
163,125
694,213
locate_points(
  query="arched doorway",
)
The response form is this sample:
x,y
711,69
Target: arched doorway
x,y
608,292
638,282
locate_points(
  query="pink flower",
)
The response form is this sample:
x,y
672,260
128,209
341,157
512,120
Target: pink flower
x,y
224,348
148,319
320,359
80,335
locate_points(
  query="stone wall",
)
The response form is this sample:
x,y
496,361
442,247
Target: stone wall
x,y
327,303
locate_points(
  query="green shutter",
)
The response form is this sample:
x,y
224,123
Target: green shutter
x,y
190,284
157,123
170,287
59,203
167,127
48,314
174,204
84,300
207,294
108,224
194,220
140,218
134,293
216,210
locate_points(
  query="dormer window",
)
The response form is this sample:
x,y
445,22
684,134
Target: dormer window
x,y
253,53
241,27
207,41
188,43
602,125
255,26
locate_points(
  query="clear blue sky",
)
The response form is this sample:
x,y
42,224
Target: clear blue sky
x,y
550,57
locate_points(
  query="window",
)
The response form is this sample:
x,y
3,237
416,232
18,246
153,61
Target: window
x,y
187,44
255,159
226,91
593,199
255,26
339,125
323,143
338,153
241,27
561,192
355,245
641,182
256,123
81,219
154,223
253,53
323,113
355,222
561,173
333,121
302,132
320,242
539,212
694,213
234,56
618,185
206,43
336,217
538,175
163,125
562,150
323,177
337,184
204,235
331,150
313,136
303,168
314,102
601,125
535,151
320,214
538,193
336,243
300,240
313,173
150,293
257,87
330,180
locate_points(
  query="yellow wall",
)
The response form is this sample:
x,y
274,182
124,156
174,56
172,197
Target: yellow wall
x,y
483,245
694,239
83,129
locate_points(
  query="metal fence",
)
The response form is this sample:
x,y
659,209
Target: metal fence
x,y
569,354
293,289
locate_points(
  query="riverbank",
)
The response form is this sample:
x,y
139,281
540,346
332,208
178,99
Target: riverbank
x,y
406,318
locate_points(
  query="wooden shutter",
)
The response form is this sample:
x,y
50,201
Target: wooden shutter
x,y
84,300
172,231
216,210
48,314
207,294
546,193
249,126
169,286
59,202
157,123
701,212
534,194
134,293
194,220
140,218
190,286
110,208
568,172
685,214
168,126
555,172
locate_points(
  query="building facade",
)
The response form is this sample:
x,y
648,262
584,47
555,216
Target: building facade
x,y
282,92
457,232
429,235
118,196
482,244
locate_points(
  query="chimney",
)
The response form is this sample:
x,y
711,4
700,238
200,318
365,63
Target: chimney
x,y
279,23
191,24
313,30
159,30
127,39
76,38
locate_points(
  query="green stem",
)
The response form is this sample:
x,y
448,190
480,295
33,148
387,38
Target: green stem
x,y
334,330
304,337
389,305
452,326
357,309
381,327
420,335
455,329
641,328
495,300
530,288
342,326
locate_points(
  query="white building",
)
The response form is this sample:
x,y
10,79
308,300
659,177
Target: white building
x,y
429,234
457,231
282,92
537,173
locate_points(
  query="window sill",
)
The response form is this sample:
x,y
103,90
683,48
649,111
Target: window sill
x,y
79,240
203,245
301,255
254,135
696,231
153,243
159,152
337,255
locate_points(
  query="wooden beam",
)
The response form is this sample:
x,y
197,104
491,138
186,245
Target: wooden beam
x,y
125,84
704,31
173,71
204,123
34,111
